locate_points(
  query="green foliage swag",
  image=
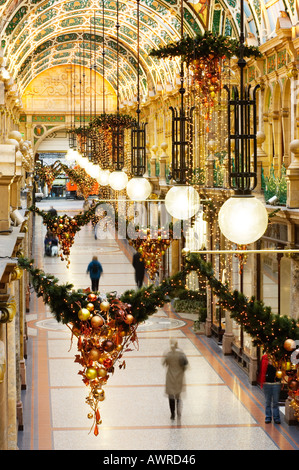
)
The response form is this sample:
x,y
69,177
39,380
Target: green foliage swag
x,y
267,329
208,45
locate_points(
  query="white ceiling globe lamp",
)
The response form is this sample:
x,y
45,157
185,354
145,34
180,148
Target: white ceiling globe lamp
x,y
71,155
182,201
118,180
138,188
103,177
243,219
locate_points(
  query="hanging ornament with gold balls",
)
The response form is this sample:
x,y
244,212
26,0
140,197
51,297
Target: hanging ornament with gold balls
x,y
65,227
151,247
105,331
291,371
48,173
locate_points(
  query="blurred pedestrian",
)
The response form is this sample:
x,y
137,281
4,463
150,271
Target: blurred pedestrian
x,y
52,211
95,271
86,205
138,265
176,362
271,386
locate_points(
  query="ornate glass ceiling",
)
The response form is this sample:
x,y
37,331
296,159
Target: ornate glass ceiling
x,y
39,34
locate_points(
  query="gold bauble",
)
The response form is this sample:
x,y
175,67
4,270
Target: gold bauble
x,y
91,297
104,306
102,372
94,354
129,319
83,314
90,307
90,415
289,344
97,321
91,373
279,374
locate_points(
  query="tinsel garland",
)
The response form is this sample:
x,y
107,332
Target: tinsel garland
x,y
207,45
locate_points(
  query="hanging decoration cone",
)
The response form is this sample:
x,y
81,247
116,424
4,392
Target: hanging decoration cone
x,y
151,247
85,183
65,227
206,73
105,331
48,173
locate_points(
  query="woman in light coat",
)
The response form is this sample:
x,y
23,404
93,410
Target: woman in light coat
x,y
176,362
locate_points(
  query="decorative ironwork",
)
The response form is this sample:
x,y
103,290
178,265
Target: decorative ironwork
x,y
138,133
138,149
118,154
182,131
242,128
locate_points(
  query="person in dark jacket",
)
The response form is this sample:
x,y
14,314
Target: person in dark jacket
x,y
95,271
138,265
271,387
52,211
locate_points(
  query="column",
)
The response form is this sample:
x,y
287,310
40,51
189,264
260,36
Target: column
x,y
7,171
293,177
15,191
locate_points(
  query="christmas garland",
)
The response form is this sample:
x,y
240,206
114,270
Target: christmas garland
x,y
106,328
208,45
266,328
113,121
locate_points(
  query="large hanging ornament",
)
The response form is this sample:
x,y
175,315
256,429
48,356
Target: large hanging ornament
x,y
48,173
206,72
65,227
104,331
151,245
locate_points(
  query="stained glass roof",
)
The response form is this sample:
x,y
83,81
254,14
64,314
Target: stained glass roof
x,y
39,34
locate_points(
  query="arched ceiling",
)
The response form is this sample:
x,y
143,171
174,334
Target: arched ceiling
x,y
40,34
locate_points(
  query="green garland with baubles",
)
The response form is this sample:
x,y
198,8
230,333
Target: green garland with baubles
x,y
267,329
207,45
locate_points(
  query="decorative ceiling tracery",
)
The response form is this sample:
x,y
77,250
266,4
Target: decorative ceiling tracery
x,y
40,34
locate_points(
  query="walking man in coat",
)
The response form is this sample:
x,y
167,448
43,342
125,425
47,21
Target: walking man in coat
x,y
138,265
95,271
176,362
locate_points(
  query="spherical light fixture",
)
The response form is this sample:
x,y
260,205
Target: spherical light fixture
x,y
243,219
103,177
138,188
182,202
118,180
71,155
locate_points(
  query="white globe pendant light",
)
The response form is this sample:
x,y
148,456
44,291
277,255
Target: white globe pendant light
x,y
70,155
139,188
182,202
118,180
243,219
103,177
